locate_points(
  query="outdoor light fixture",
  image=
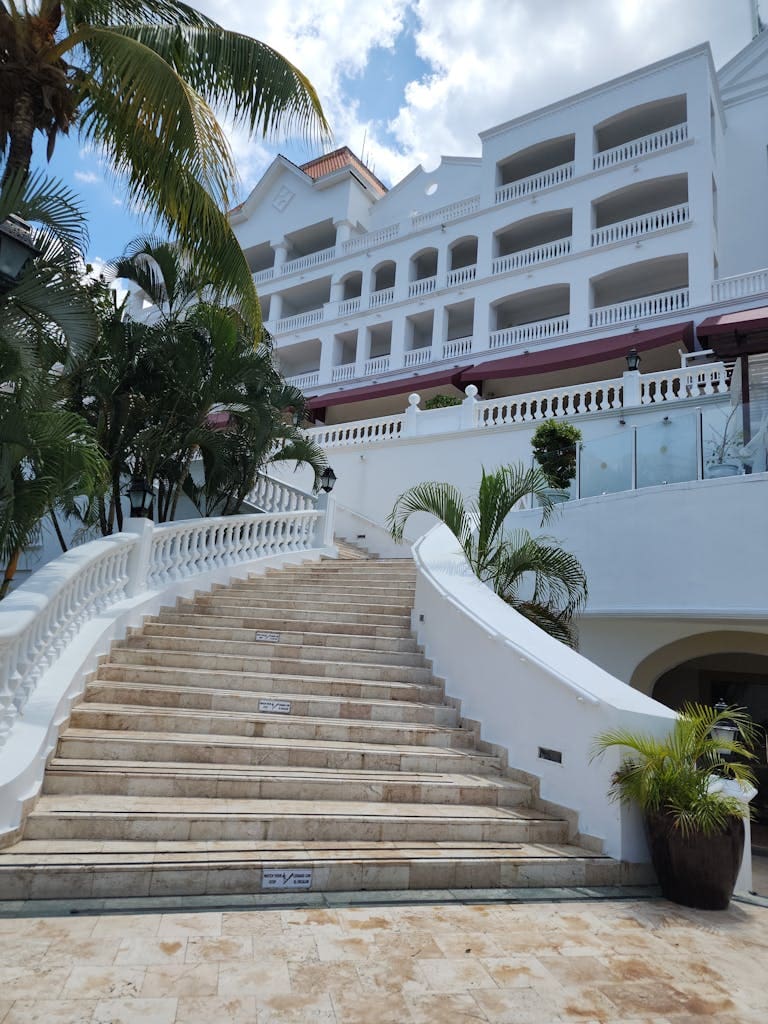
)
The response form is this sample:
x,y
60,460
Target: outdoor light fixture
x,y
296,417
141,496
327,479
16,249
726,730
633,359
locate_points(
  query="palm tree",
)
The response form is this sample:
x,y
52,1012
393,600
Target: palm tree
x,y
538,579
138,79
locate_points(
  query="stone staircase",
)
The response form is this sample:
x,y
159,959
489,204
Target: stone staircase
x,y
283,732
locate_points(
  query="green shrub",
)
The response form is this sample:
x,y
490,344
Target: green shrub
x,y
554,448
442,401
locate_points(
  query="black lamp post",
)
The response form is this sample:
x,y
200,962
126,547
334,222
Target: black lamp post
x,y
16,250
725,730
141,496
327,479
633,359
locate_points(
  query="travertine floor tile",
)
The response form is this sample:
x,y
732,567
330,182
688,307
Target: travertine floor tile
x,y
146,951
192,980
135,1011
216,1010
456,1008
92,982
50,1011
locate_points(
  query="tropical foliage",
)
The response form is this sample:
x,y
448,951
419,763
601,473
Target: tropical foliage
x,y
532,574
554,448
673,776
140,80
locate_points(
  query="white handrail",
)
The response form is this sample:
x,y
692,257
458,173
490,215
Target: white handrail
x,y
271,494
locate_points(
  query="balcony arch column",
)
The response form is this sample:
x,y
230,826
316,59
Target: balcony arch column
x,y
343,231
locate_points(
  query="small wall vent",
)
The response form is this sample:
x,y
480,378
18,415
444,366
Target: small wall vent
x,y
551,755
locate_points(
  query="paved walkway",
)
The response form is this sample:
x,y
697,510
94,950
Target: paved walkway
x,y
610,962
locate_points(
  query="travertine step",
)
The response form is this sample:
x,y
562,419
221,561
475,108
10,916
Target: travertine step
x,y
269,623
265,682
106,745
123,717
379,610
304,615
248,701
186,626
174,819
46,869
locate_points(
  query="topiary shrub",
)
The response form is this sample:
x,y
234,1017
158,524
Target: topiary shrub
x,y
554,448
441,401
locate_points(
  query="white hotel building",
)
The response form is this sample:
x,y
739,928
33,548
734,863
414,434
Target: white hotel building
x,y
624,216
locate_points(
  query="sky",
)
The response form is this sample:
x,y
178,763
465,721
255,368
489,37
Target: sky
x,y
403,82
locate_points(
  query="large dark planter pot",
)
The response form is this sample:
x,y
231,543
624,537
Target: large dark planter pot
x,y
695,871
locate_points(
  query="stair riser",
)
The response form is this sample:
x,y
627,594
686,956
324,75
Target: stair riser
x,y
375,596
185,828
299,615
276,666
122,748
130,673
352,630
162,697
391,613
207,631
262,649
72,882
279,726
141,785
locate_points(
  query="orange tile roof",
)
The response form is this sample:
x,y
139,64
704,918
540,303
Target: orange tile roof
x,y
337,161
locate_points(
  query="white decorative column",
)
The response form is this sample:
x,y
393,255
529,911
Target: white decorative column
x,y
281,255
343,231
138,562
633,395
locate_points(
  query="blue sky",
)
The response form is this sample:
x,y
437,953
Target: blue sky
x,y
414,79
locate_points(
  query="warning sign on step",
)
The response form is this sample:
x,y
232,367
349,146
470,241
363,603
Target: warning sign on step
x,y
267,637
275,707
279,878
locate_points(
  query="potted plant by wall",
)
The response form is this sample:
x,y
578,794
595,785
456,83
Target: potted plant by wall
x,y
554,448
692,788
725,443
442,401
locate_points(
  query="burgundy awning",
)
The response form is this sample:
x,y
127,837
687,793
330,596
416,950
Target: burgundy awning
x,y
746,321
384,389
565,356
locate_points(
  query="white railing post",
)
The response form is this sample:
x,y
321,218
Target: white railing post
x,y
412,413
139,558
633,389
468,413
326,506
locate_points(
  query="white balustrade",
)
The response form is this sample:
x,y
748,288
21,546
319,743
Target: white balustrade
x,y
556,402
740,285
457,347
304,380
261,276
380,364
534,331
39,621
689,382
346,371
425,286
342,435
418,356
271,494
446,213
646,223
638,309
370,239
348,306
381,298
636,148
534,183
527,257
461,276
295,323
314,259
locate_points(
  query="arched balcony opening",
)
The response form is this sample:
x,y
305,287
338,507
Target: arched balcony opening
x,y
352,285
546,236
538,167
383,276
640,209
641,130
422,273
463,253
646,288
530,316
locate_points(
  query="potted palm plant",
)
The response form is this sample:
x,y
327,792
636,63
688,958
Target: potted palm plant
x,y
692,788
554,448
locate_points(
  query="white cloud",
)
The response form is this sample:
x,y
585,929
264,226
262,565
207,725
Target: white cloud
x,y
488,60
87,177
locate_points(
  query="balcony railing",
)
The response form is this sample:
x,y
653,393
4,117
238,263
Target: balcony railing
x,y
461,276
740,286
344,372
348,306
381,298
418,356
294,323
688,382
534,183
457,347
527,257
380,364
446,213
312,260
370,238
534,331
381,428
540,405
263,275
305,380
643,146
637,309
646,223
425,286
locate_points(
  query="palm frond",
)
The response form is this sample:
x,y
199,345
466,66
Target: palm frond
x,y
441,500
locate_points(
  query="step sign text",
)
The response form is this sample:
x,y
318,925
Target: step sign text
x,y
277,878
278,707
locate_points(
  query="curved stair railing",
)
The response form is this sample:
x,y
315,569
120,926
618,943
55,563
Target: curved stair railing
x,y
537,698
272,494
55,625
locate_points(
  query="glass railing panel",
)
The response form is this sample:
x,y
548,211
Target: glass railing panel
x,y
667,451
605,464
